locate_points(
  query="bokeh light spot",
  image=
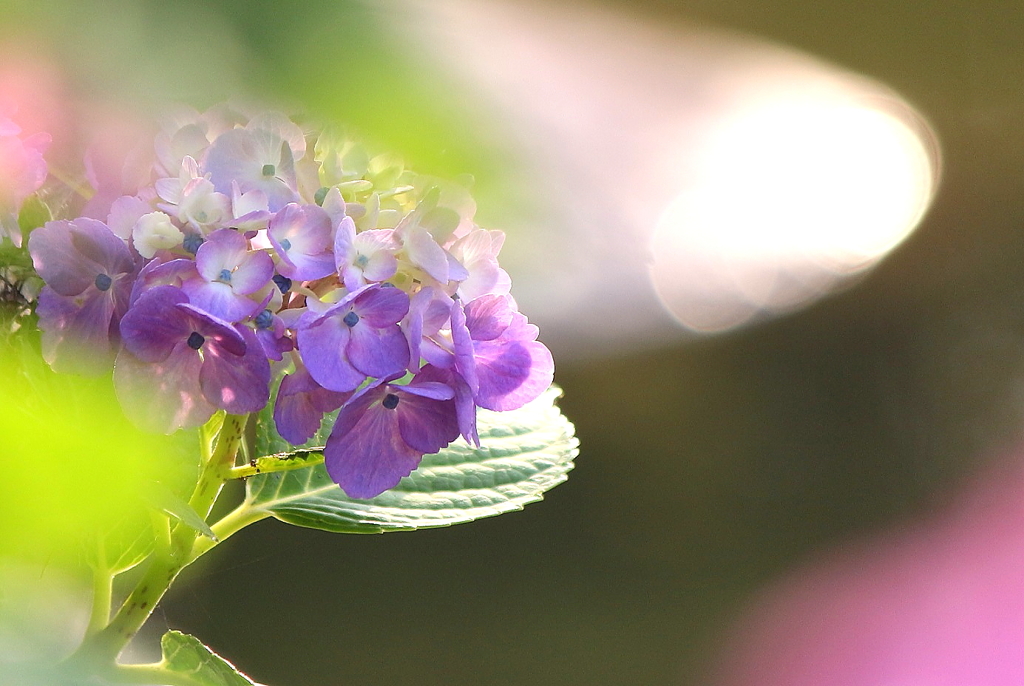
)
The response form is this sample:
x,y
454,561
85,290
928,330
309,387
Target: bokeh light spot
x,y
788,197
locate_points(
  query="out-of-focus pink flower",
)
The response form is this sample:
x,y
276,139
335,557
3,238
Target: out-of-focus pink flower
x,y
939,603
32,91
118,161
22,167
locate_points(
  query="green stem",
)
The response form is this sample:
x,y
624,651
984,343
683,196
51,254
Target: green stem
x,y
102,590
233,522
99,650
279,462
215,471
161,531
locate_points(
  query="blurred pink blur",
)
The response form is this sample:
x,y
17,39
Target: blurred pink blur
x,y
936,603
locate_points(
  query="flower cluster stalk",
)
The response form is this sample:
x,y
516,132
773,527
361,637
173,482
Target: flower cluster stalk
x,y
104,640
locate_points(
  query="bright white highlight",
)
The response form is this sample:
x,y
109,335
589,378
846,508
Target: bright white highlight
x,y
677,174
786,197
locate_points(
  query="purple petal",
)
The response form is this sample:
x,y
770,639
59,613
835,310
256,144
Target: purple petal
x,y
238,384
96,242
226,336
435,390
301,235
465,406
307,228
301,404
69,255
429,309
172,273
512,373
378,352
77,335
380,306
488,317
465,412
322,345
153,327
371,456
223,249
426,424
240,155
163,396
344,236
301,267
465,361
220,300
253,273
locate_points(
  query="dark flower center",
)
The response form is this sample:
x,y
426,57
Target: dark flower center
x,y
225,275
283,282
195,340
390,401
351,319
269,170
192,243
286,244
264,319
103,282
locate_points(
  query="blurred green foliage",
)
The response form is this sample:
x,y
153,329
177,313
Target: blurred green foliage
x,y
76,474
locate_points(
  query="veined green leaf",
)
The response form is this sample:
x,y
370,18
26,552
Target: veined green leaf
x,y
523,453
187,655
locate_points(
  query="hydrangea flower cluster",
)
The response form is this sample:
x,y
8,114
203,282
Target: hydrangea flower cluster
x,y
251,250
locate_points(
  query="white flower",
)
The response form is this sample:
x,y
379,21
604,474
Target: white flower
x,y
153,232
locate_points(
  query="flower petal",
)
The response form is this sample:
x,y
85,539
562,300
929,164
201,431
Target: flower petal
x,y
236,383
162,396
322,345
371,457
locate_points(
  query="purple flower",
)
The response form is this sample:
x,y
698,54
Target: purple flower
x,y
465,405
179,364
364,257
88,273
356,338
301,404
478,253
227,272
383,431
301,235
495,350
256,159
429,311
249,209
272,333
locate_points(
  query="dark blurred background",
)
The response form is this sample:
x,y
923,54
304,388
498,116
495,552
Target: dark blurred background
x,y
709,465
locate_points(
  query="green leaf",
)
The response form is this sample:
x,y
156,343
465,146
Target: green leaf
x,y
524,453
34,213
13,256
186,655
123,546
161,498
